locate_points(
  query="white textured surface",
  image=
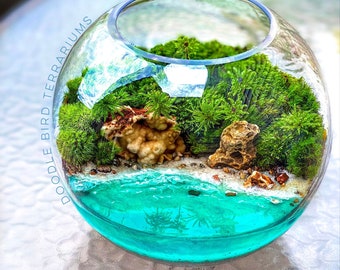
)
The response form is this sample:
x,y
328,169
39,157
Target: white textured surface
x,y
38,232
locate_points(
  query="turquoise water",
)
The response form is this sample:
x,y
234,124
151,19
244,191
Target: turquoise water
x,y
173,216
176,204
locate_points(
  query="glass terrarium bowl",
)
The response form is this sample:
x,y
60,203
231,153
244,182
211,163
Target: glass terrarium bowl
x,y
191,130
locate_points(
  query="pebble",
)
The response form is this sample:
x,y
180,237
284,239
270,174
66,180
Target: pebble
x,y
275,201
128,164
202,165
93,172
230,193
113,171
177,158
299,193
226,170
116,162
242,175
282,178
194,192
136,167
177,154
181,166
216,177
104,169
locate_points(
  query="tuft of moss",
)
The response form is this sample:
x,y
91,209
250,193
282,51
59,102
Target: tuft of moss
x,y
159,103
72,95
75,116
288,142
76,147
109,105
73,85
303,158
106,152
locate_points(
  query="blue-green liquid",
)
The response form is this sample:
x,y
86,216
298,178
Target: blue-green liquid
x,y
167,210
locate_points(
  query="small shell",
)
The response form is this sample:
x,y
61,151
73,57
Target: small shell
x,y
275,201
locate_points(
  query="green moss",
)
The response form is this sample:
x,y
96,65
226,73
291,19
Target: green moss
x,y
76,147
190,48
303,158
288,142
106,152
75,116
299,95
209,113
85,70
72,95
137,92
109,105
159,103
284,107
79,140
301,123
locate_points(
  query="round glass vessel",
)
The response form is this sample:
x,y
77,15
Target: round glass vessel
x,y
191,130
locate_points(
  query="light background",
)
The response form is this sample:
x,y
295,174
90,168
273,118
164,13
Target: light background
x,y
38,232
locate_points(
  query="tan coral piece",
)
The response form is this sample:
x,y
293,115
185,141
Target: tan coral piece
x,y
236,146
258,179
145,137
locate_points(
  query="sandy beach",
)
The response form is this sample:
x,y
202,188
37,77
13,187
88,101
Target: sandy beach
x,y
231,181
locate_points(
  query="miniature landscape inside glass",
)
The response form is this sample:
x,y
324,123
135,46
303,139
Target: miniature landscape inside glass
x,y
237,159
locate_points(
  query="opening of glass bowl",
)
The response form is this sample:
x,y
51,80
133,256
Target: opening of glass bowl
x,y
234,22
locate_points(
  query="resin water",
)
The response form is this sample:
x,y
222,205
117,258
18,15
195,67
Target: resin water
x,y
173,209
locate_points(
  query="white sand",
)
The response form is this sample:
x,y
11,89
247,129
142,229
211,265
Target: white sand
x,y
294,187
198,168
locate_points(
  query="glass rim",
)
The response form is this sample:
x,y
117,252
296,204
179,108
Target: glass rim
x,y
115,33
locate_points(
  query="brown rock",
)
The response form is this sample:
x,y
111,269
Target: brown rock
x,y
258,179
282,178
104,168
236,146
242,175
216,177
71,169
226,170
181,166
93,172
230,193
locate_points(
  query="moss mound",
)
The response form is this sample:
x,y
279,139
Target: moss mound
x,y
284,107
